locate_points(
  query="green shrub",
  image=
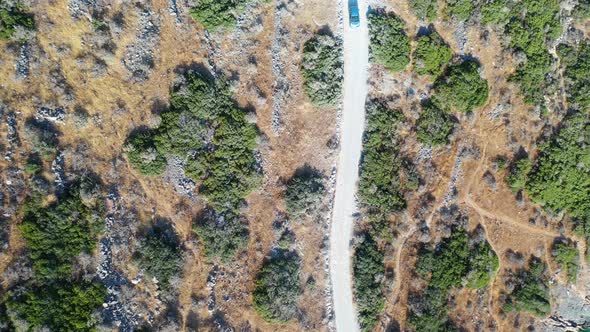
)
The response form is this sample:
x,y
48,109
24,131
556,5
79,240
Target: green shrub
x,y
389,44
60,306
322,69
424,9
431,55
560,178
460,9
160,254
454,262
582,9
304,191
277,287
567,256
222,234
532,292
529,24
368,272
218,14
56,234
517,176
577,65
211,135
143,155
461,88
379,185
434,127
13,17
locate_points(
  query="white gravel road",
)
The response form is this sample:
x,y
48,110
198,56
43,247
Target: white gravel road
x,y
356,58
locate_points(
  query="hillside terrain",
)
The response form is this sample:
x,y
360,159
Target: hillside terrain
x,y
173,165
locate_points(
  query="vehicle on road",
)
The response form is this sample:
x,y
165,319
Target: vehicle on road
x,y
354,16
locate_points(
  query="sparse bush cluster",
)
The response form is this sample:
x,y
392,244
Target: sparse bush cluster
x,y
368,272
431,55
379,184
434,127
14,17
55,235
389,44
160,254
529,24
277,287
424,9
531,292
216,143
222,233
322,69
304,191
218,14
461,88
455,262
567,256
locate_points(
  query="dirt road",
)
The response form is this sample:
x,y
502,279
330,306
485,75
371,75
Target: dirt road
x,y
356,58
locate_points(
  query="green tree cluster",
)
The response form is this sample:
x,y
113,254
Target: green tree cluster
x,y
160,254
460,9
567,256
389,44
322,69
456,261
530,25
368,272
379,184
218,14
431,55
277,287
532,293
55,235
216,142
303,192
434,127
424,9
576,61
222,233
518,173
13,16
461,88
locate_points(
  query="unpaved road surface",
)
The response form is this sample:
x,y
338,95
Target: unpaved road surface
x,y
356,58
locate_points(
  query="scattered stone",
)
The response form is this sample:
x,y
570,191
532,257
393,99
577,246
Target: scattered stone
x,y
23,61
57,114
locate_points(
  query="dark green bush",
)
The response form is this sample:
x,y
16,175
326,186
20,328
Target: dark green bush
x,y
13,17
431,55
368,272
577,66
582,9
218,14
460,9
277,287
456,261
389,46
424,9
59,305
211,135
222,234
379,184
160,254
56,234
461,88
567,256
532,293
560,177
143,155
517,176
434,127
322,69
529,24
304,191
